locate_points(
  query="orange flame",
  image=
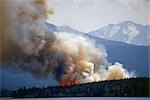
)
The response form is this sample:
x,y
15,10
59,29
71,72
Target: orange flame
x,y
70,83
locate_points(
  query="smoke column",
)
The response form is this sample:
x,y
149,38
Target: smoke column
x,y
27,44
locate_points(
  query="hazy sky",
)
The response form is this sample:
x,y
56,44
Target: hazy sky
x,y
87,15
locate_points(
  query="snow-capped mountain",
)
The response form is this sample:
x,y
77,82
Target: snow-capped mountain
x,y
127,32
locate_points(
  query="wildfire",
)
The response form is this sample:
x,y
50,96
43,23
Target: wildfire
x,y
70,83
70,58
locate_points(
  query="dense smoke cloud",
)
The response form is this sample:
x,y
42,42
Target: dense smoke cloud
x,y
27,43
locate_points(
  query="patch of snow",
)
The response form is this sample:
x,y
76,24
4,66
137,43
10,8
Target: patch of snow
x,y
131,32
114,30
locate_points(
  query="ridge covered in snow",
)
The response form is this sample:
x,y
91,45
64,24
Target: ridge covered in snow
x,y
127,32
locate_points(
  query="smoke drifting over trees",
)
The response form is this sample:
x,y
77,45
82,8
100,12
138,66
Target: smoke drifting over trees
x,y
27,44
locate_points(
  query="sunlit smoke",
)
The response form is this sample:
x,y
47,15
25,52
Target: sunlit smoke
x,y
69,58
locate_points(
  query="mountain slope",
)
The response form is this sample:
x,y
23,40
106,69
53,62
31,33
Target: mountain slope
x,y
127,32
133,58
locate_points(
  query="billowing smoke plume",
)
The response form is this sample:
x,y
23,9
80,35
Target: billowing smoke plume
x,y
27,44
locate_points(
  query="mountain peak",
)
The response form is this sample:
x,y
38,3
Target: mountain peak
x,y
127,22
125,31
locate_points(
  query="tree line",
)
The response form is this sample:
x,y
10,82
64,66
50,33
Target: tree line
x,y
134,87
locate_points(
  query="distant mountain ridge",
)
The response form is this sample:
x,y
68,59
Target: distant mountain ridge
x,y
126,31
64,28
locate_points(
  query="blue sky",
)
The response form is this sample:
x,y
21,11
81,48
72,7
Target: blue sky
x,y
87,15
